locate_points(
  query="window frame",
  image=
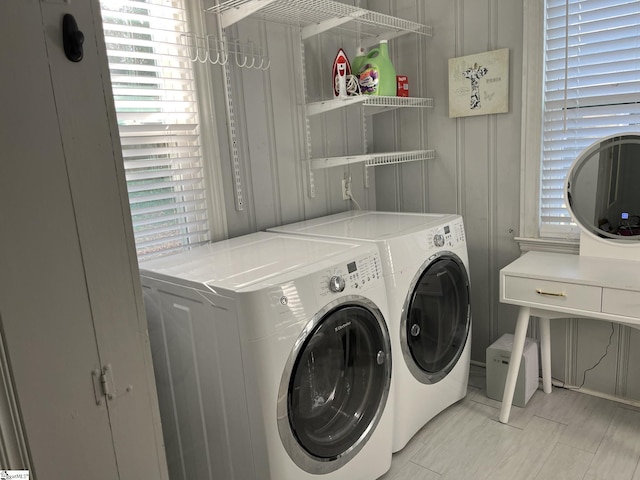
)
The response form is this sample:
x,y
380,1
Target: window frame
x,y
531,137
210,143
534,234
212,171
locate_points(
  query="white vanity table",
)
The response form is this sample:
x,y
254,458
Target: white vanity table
x,y
603,282
558,285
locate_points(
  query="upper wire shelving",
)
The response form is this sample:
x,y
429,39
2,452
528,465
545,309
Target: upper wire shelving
x,y
373,159
317,16
373,104
314,17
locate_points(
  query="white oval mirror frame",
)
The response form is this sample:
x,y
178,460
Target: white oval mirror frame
x,y
602,199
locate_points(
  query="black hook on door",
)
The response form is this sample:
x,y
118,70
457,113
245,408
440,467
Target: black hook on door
x,y
72,38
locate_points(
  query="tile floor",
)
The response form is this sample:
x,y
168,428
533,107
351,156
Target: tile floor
x,y
564,435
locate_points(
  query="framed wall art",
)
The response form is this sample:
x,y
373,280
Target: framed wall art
x,y
479,84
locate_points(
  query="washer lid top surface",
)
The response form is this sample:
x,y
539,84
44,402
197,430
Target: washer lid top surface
x,y
403,239
366,225
240,262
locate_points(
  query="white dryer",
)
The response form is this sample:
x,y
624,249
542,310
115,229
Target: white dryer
x,y
425,265
272,359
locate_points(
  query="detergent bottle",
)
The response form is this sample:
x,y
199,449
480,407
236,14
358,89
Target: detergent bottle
x,y
378,77
359,61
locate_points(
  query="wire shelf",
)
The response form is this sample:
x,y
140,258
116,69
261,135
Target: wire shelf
x,y
373,104
317,16
374,159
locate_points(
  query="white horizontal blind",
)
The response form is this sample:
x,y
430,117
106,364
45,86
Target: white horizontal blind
x,y
155,100
591,89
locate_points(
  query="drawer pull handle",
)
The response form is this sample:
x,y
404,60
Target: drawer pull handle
x,y
551,294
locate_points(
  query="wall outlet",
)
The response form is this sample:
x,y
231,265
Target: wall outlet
x,y
346,188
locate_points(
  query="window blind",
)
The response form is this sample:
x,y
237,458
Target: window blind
x,y
156,106
591,89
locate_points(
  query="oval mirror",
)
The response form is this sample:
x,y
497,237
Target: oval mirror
x,y
603,188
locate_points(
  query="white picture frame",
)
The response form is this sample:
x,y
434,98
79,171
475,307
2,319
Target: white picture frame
x,y
479,84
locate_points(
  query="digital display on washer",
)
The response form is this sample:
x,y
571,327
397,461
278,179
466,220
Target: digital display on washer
x,y
446,229
351,267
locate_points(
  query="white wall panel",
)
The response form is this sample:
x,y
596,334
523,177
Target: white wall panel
x,y
443,186
478,151
592,338
286,146
477,166
506,182
632,379
271,131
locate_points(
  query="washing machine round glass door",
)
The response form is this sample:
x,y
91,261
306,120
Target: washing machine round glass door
x,y
335,385
436,318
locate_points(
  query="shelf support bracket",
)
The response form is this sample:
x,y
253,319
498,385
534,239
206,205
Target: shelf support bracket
x,y
234,15
365,170
231,120
311,182
318,28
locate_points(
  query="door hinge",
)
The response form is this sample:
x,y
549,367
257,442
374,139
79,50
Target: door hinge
x,y
103,385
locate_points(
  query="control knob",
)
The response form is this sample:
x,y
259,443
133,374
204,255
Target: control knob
x,y
438,239
336,284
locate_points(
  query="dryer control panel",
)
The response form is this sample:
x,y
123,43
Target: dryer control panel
x,y
448,235
351,277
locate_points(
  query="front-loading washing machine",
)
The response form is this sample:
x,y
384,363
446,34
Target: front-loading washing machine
x,y
425,266
272,359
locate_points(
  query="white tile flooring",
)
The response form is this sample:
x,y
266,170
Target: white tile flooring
x,y
563,435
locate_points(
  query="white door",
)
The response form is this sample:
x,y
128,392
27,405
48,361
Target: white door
x,y
69,297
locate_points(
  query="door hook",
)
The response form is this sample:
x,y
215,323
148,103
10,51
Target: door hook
x,y
72,38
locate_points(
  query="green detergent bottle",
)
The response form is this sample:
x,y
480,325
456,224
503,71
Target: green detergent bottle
x,y
359,61
378,77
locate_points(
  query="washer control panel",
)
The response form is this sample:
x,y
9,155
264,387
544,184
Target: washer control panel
x,y
352,277
448,235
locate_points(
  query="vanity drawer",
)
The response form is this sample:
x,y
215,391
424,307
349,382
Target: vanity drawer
x,y
544,292
621,302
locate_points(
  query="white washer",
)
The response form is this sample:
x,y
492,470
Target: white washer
x,y
425,265
272,359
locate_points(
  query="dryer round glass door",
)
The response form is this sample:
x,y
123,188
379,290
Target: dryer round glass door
x,y
436,318
335,385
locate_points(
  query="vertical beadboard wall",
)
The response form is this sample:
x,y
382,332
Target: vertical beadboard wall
x,y
271,130
476,172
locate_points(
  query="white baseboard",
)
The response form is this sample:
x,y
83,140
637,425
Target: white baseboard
x,y
586,391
